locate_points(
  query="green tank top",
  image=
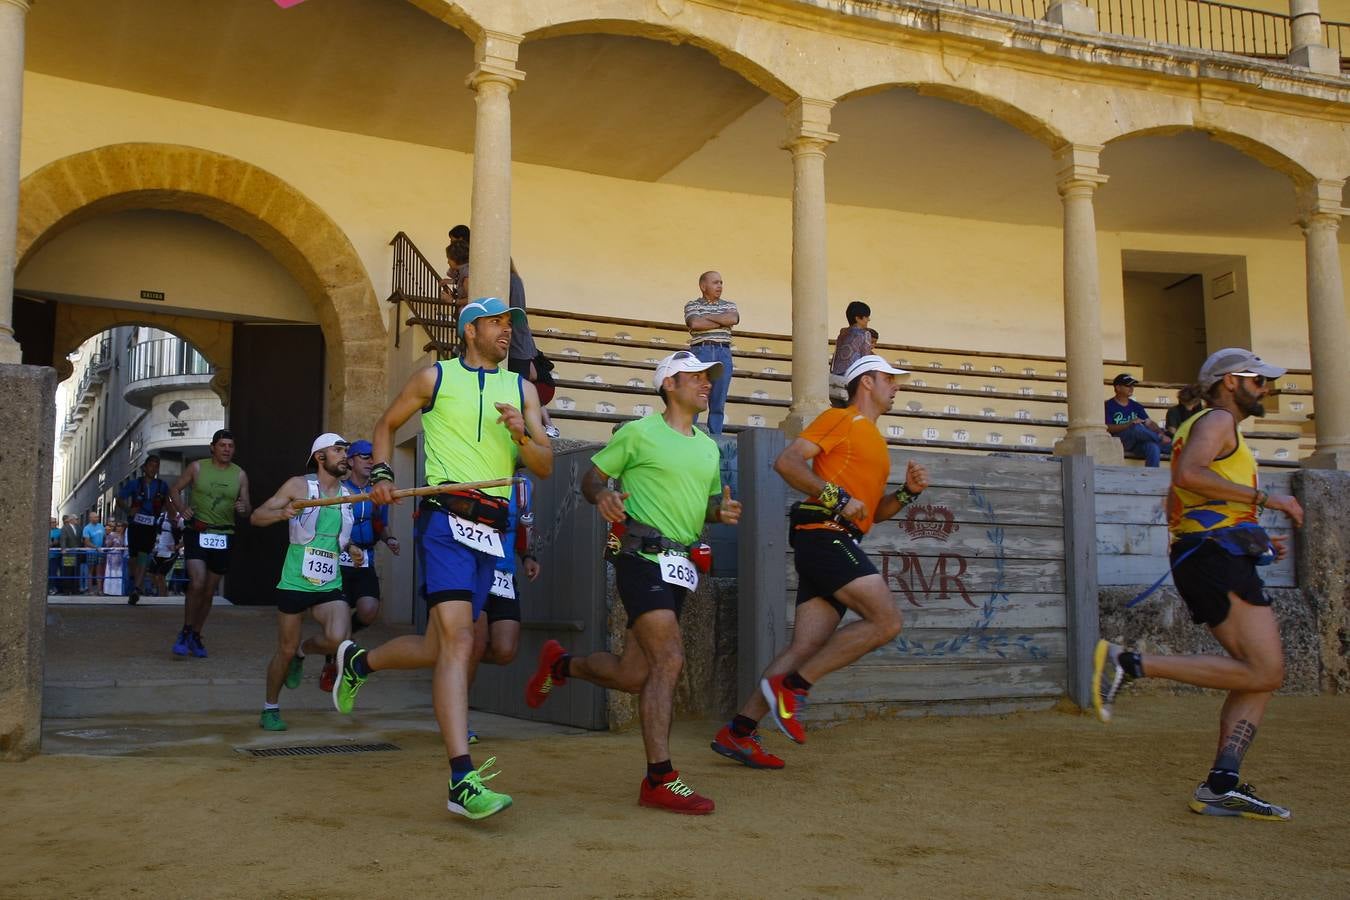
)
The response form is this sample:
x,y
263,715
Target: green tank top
x,y
461,435
321,573
213,495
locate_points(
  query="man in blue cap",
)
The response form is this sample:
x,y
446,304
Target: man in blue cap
x,y
479,422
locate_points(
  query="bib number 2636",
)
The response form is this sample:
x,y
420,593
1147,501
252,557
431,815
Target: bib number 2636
x,y
477,537
678,570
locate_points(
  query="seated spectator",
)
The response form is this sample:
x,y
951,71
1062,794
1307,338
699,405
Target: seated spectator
x,y
855,341
1188,404
1129,421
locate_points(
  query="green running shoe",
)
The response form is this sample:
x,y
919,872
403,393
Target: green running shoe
x,y
295,671
270,720
469,798
348,683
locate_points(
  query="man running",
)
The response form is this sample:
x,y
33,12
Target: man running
x,y
144,501
672,486
219,493
496,634
479,420
842,464
1213,507
310,579
370,525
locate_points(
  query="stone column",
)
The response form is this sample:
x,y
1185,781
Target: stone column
x,y
1074,15
1078,178
1328,334
808,136
493,79
1307,47
12,16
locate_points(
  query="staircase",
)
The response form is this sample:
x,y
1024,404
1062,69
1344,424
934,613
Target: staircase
x,y
418,283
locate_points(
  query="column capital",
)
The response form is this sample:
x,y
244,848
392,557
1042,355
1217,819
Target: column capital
x,y
1078,168
808,125
495,55
1319,204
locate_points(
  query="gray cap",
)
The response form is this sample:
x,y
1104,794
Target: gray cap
x,y
1234,361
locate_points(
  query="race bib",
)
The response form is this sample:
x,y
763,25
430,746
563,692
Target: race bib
x,y
69,561
318,566
503,585
346,559
209,540
678,570
143,519
477,537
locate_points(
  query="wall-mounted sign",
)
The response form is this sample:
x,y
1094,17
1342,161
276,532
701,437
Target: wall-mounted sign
x,y
152,295
178,428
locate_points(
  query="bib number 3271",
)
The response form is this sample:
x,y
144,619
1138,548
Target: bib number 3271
x,y
678,570
318,566
477,537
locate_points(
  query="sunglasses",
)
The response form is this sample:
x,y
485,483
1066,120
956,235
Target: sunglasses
x,y
1258,380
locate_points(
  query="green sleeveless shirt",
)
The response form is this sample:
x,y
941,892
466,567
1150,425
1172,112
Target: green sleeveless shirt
x,y
213,495
326,531
463,440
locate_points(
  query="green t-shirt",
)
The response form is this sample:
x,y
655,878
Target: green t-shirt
x,y
213,495
668,476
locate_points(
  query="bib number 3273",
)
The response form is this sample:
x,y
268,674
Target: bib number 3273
x,y
678,570
318,566
477,537
209,541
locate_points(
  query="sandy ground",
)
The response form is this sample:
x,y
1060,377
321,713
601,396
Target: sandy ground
x,y
1030,804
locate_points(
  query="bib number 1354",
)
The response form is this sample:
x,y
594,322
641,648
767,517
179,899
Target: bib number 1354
x,y
678,570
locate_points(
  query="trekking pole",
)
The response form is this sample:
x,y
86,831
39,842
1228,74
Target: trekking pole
x,y
407,492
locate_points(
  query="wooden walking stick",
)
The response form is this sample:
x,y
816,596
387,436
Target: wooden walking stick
x,y
406,492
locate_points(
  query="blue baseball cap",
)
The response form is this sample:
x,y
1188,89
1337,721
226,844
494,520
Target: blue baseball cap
x,y
489,306
360,448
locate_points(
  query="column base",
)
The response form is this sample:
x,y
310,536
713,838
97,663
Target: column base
x,y
10,351
1104,449
801,415
1073,15
1320,59
1338,458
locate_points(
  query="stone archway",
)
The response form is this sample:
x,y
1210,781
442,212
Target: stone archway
x,y
253,202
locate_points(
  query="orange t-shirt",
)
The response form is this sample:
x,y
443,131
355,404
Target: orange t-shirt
x,y
853,455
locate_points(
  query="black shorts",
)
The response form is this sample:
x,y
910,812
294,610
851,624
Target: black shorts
x,y
1205,578
360,582
826,561
641,588
296,602
141,538
500,609
217,561
163,565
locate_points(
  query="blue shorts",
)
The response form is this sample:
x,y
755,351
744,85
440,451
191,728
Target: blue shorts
x,y
450,570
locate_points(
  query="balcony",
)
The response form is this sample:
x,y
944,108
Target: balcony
x,y
164,364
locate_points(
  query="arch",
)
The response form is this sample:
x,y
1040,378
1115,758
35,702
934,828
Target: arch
x,y
254,202
1260,151
1026,122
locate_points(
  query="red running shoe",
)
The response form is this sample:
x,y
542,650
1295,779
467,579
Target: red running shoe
x,y
785,706
745,750
543,681
673,795
328,677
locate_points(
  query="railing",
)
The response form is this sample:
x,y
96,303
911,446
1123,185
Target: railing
x,y
417,283
165,357
1200,24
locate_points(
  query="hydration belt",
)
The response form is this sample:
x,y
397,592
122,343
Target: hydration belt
x,y
805,516
477,507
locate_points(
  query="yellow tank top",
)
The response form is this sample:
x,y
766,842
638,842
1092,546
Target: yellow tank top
x,y
1190,513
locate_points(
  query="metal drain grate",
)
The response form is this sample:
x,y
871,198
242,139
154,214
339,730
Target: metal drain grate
x,y
317,750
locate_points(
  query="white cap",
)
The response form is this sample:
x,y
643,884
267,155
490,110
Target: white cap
x,y
684,361
1235,361
323,442
871,363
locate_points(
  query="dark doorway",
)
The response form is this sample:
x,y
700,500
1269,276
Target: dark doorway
x,y
35,330
1165,324
275,412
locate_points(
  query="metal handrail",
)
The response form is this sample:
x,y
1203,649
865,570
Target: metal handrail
x,y
416,282
165,357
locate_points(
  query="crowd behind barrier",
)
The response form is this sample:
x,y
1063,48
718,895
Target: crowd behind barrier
x,y
74,571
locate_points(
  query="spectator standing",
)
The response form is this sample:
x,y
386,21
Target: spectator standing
x,y
854,342
710,320
53,556
70,543
114,560
1128,420
94,534
1188,404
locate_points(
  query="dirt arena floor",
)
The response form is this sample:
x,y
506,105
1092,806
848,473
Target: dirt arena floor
x,y
1024,805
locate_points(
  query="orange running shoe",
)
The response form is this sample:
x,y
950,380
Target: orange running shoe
x,y
785,706
673,795
543,681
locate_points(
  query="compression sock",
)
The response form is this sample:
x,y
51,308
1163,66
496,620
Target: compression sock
x,y
459,767
795,682
657,772
743,726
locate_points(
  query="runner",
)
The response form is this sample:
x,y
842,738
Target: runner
x,y
144,501
370,525
842,464
1213,508
496,634
310,579
459,534
672,485
219,493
